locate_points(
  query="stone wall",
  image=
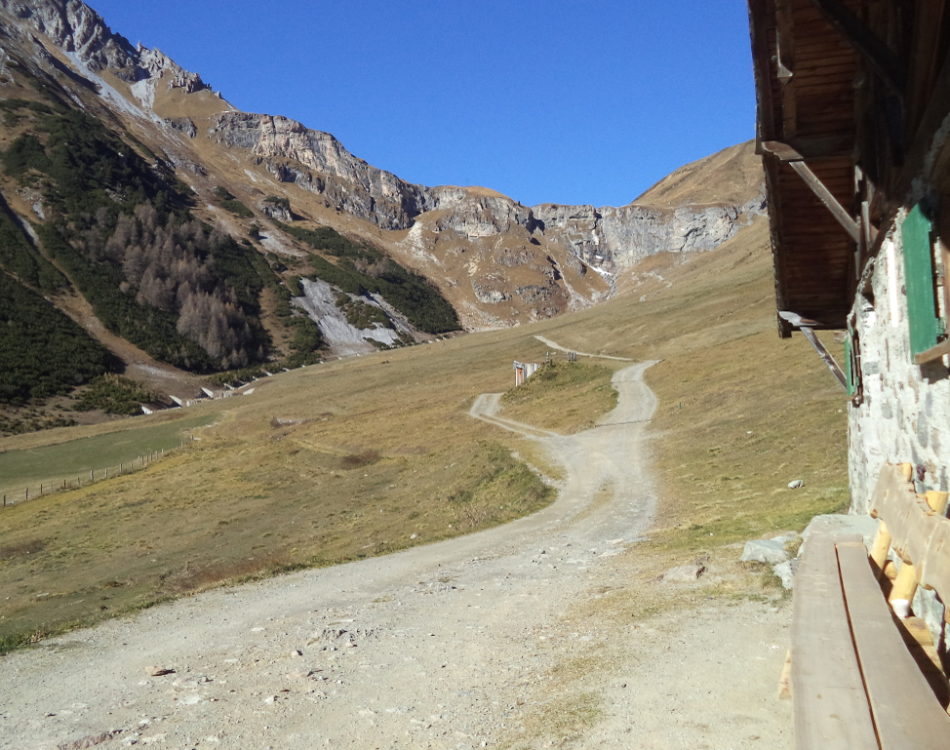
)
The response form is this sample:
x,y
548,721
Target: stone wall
x,y
905,412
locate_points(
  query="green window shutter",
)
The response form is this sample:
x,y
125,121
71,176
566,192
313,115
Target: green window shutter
x,y
925,325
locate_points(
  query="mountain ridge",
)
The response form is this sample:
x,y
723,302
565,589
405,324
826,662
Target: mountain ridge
x,y
266,186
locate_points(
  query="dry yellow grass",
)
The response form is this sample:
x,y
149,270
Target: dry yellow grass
x,y
741,411
364,456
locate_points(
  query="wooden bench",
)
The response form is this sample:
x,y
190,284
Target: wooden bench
x,y
855,683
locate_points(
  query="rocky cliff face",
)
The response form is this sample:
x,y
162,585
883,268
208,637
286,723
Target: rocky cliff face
x,y
613,239
609,238
318,162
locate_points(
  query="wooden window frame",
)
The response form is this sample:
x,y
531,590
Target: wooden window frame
x,y
854,381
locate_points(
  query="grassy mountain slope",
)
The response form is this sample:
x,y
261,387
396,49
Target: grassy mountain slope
x,y
731,176
359,457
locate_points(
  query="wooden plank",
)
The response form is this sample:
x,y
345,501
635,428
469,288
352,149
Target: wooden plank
x,y
933,353
906,711
831,708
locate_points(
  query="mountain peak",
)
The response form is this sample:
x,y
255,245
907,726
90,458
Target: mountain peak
x,y
79,31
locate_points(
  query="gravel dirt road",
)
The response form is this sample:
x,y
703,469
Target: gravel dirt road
x,y
489,640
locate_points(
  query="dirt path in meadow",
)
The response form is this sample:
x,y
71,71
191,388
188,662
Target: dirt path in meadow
x,y
481,641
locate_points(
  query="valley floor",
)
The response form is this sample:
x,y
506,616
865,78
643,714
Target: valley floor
x,y
514,637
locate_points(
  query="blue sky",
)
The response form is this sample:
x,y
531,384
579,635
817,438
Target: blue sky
x,y
590,101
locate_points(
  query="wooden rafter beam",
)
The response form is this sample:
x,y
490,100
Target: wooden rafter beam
x,y
828,199
805,326
869,46
785,153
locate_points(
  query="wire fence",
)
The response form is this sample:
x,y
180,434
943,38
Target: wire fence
x,y
49,486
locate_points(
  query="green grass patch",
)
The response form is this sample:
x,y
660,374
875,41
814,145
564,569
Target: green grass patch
x,y
22,468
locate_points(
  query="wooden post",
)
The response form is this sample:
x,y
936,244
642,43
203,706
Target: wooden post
x,y
905,586
882,543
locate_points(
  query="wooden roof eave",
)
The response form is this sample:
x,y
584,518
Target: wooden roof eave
x,y
821,141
